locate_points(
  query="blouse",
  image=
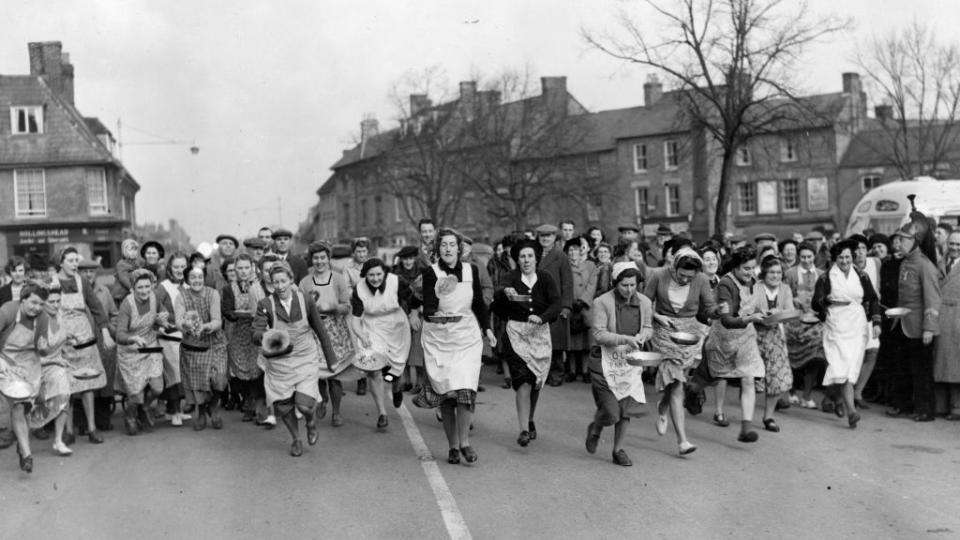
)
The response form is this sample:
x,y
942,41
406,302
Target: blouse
x,y
431,303
545,301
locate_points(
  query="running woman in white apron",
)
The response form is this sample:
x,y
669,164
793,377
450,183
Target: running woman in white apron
x,y
454,316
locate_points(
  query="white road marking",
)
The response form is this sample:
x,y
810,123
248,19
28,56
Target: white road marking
x,y
456,526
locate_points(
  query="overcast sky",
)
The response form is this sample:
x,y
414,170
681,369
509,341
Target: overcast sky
x,y
272,92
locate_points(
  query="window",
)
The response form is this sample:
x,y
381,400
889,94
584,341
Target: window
x,y
766,197
670,159
743,156
673,200
790,192
640,198
31,193
26,120
869,182
96,181
591,164
639,158
747,198
788,150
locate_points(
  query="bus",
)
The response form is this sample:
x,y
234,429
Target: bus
x,y
885,208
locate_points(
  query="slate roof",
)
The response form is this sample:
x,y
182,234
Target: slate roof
x,y
67,137
873,147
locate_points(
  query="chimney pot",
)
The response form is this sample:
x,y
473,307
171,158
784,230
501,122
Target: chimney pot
x,y
851,83
883,112
47,60
419,102
652,90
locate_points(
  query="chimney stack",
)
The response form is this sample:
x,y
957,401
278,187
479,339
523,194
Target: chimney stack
x,y
883,112
858,99
418,103
369,128
47,60
652,90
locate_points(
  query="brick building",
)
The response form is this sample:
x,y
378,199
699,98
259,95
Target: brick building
x,y
60,182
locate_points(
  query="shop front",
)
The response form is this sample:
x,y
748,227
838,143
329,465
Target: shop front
x,y
39,245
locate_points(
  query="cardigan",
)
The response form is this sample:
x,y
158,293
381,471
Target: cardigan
x,y
604,328
821,296
728,290
701,301
545,301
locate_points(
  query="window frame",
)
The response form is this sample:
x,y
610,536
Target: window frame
x,y
743,156
638,156
783,195
26,213
640,210
668,164
740,198
788,150
863,182
669,201
39,117
96,210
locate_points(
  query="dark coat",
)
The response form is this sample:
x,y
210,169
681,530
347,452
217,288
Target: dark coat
x,y
556,265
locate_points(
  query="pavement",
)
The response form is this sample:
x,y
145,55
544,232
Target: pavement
x,y
890,478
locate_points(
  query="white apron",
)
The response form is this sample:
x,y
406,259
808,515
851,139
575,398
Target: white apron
x,y
134,367
76,322
171,342
20,357
845,330
623,379
387,325
533,345
299,370
452,351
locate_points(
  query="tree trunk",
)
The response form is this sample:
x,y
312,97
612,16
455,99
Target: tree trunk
x,y
723,194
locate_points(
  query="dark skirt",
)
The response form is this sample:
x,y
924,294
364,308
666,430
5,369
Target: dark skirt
x,y
610,410
428,398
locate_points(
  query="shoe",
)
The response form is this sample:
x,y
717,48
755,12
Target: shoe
x,y
453,457
176,420
827,405
133,427
26,462
397,399
748,437
95,437
296,449
622,459
336,420
924,417
661,424
40,434
382,422
507,383
322,410
953,417
771,425
852,420
312,434
571,377
247,416
532,428
524,439
469,454
216,422
839,409
269,422
184,416
61,449
720,420
200,422
557,382
481,388
687,448
895,412
808,403
795,399
69,438
146,419
782,405
861,404
593,438
362,387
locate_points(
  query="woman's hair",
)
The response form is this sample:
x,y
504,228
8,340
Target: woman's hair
x,y
623,246
31,288
281,268
142,273
837,249
806,246
589,237
739,257
373,263
446,231
174,256
225,265
767,263
688,262
627,273
191,269
268,258
14,262
784,242
859,239
710,246
520,245
317,247
573,242
66,251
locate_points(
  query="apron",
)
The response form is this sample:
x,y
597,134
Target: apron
x,y
171,342
452,352
299,370
387,326
76,321
242,354
136,368
623,380
732,353
845,330
21,358
54,395
338,329
532,343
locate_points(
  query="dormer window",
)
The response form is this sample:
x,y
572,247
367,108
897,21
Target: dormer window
x,y
25,120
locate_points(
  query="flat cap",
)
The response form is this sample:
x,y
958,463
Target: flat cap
x,y
279,233
663,228
229,237
770,237
407,252
254,243
546,228
628,227
814,235
88,264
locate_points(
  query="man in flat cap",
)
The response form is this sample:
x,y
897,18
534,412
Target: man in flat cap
x,y
555,263
629,232
227,245
256,248
282,240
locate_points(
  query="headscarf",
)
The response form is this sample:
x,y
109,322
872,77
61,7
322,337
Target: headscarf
x,y
619,267
686,252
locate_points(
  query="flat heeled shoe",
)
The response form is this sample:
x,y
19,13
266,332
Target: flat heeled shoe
x,y
200,422
593,438
62,450
26,462
720,420
247,416
131,425
296,449
322,411
861,404
69,438
771,425
336,420
839,409
469,454
216,423
661,424
524,438
923,418
687,448
748,437
507,383
312,435
95,437
453,457
621,458
852,420
382,422
532,428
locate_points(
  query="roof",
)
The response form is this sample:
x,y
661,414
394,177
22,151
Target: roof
x,y
67,136
875,147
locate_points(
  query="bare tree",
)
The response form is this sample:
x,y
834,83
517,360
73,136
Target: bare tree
x,y
419,163
522,150
917,77
731,61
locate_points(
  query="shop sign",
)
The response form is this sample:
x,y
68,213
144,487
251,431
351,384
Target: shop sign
x,y
42,236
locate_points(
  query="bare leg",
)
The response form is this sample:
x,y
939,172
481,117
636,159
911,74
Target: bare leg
x,y
869,362
336,395
848,393
58,424
809,381
769,404
464,419
523,406
375,385
675,395
18,421
748,398
87,399
619,432
449,414
720,395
